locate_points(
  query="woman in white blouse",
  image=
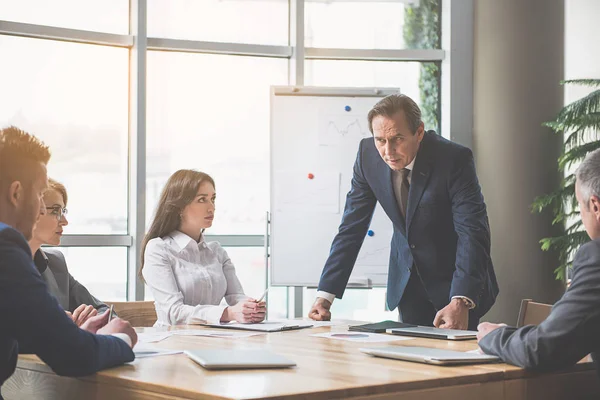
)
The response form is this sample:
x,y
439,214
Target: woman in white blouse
x,y
189,277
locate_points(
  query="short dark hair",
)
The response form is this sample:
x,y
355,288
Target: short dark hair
x,y
20,153
390,105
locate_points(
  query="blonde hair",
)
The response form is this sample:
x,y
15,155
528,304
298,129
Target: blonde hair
x,y
59,187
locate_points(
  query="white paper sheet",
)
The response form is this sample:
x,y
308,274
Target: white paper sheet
x,y
143,350
361,337
152,337
267,326
221,333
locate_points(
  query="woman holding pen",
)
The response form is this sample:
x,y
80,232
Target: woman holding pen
x,y
187,276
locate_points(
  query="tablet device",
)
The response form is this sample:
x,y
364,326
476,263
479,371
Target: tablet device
x,y
428,355
434,333
238,359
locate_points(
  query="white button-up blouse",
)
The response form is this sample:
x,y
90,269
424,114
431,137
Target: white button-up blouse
x,y
189,279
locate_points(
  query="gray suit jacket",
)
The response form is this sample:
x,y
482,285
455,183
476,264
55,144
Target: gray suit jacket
x,y
571,331
70,294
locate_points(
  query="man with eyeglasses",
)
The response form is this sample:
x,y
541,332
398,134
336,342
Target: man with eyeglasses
x,y
32,320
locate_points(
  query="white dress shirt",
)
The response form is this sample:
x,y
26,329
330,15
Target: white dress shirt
x,y
330,296
189,279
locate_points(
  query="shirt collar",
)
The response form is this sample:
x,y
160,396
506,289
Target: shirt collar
x,y
182,240
412,164
40,259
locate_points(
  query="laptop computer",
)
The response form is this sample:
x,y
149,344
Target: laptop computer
x,y
434,333
265,326
238,359
429,356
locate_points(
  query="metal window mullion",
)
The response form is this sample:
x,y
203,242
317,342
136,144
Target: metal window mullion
x,y
237,240
64,34
96,240
136,213
240,49
296,77
313,53
457,71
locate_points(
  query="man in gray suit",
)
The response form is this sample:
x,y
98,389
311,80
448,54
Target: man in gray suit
x,y
572,330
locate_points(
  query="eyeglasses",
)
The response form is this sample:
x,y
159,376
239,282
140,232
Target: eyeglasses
x,y
58,211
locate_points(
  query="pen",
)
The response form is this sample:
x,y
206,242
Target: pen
x,y
110,313
262,296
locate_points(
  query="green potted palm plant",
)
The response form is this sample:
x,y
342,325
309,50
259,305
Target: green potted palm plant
x,y
579,122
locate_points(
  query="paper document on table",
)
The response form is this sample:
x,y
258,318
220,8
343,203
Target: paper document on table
x,y
143,351
320,324
214,333
152,337
362,337
266,326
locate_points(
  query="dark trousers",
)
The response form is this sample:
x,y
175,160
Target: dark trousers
x,y
416,308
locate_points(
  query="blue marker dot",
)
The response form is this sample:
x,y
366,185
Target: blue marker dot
x,y
347,108
370,233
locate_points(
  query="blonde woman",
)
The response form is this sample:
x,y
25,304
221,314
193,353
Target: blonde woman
x,y
71,295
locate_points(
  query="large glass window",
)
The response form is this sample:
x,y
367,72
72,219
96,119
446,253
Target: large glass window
x,y
211,113
75,98
110,16
418,80
369,24
237,21
102,270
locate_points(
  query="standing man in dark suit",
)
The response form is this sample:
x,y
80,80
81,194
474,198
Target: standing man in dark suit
x,y
572,330
440,270
32,320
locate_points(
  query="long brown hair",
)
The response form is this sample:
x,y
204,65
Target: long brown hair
x,y
179,191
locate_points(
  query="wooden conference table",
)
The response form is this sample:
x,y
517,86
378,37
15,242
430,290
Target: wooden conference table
x,y
327,369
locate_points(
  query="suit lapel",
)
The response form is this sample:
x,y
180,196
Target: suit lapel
x,y
418,183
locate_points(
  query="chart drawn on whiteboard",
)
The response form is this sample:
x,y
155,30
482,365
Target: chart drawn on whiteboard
x,y
335,130
320,194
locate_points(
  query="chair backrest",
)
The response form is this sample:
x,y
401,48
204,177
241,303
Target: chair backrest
x,y
138,313
532,313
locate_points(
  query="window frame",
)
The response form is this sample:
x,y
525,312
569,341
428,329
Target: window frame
x,y
456,88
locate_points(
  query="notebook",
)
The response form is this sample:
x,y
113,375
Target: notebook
x,y
379,327
434,333
265,326
430,356
238,359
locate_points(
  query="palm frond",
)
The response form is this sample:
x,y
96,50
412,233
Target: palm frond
x,y
566,242
582,82
586,105
577,154
590,120
579,122
555,199
582,136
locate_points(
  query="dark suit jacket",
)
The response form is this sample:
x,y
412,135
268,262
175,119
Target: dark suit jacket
x,y
446,234
33,320
571,331
70,294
